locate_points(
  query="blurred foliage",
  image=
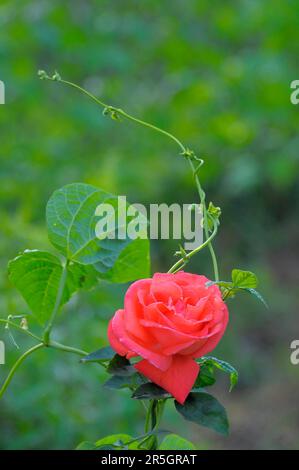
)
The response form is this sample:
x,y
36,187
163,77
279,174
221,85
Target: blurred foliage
x,y
217,74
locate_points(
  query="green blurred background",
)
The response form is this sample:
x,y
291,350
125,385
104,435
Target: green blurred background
x,y
216,74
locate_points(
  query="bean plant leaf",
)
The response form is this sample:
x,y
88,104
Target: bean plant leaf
x,y
81,220
36,274
86,277
175,442
203,409
241,281
132,263
244,279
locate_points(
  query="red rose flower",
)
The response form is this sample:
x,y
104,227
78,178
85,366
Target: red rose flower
x,y
169,321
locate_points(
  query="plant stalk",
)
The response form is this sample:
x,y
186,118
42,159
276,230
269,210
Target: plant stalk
x,y
115,114
61,287
17,365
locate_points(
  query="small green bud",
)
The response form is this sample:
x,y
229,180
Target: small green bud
x,y
42,75
188,153
24,324
214,211
56,77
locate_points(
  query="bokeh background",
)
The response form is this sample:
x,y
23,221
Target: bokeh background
x,y
216,74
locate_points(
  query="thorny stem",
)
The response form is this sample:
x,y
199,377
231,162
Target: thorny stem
x,y
115,113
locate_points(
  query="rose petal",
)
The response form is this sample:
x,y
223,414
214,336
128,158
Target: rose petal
x,y
178,379
163,291
187,348
114,343
166,336
212,342
134,309
145,351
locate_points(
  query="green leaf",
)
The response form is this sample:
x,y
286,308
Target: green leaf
x,y
117,382
132,263
214,213
175,442
103,354
85,445
150,391
258,296
72,222
244,279
205,410
36,275
205,377
85,277
119,365
224,366
117,442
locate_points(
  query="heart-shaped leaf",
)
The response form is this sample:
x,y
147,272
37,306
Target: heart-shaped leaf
x,y
175,442
244,279
132,263
36,274
75,215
